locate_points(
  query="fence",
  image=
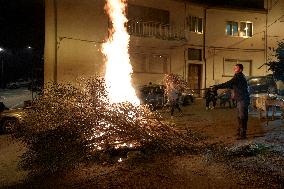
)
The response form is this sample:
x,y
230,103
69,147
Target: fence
x,y
155,29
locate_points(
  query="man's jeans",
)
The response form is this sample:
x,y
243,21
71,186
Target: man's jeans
x,y
242,107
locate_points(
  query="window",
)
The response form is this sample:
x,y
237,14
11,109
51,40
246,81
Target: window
x,y
157,64
232,28
147,14
138,62
229,64
242,29
245,29
194,24
149,63
194,54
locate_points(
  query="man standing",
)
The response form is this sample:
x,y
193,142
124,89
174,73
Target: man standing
x,y
240,93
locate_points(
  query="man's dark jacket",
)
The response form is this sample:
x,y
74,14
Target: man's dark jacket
x,y
239,85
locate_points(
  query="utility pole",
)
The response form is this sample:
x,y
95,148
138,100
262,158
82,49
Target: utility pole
x,y
2,72
2,67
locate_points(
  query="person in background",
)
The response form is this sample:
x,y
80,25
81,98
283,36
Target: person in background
x,y
211,96
2,107
226,97
240,93
173,96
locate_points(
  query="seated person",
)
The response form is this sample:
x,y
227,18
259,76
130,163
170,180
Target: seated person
x,y
211,96
225,97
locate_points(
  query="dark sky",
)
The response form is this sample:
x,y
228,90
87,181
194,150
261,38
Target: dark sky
x,y
21,23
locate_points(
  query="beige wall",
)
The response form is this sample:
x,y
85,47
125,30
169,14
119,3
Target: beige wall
x,y
82,27
275,23
220,46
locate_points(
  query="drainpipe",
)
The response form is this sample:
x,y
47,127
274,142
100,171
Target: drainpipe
x,y
204,45
56,43
214,52
184,51
266,30
184,57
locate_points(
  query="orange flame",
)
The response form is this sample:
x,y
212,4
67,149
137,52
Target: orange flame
x,y
118,66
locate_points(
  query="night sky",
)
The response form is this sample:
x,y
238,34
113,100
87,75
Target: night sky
x,y
21,25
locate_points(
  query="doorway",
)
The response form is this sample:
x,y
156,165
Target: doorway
x,y
194,77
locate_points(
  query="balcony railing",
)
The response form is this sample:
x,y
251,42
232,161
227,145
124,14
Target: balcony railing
x,y
156,30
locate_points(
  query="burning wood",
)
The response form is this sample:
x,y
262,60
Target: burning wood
x,y
74,123
69,124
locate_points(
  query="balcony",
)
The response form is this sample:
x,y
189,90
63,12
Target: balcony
x,y
155,30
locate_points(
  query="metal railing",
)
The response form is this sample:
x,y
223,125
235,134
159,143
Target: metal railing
x,y
156,30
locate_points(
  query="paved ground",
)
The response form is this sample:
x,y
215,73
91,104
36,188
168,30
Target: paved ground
x,y
217,126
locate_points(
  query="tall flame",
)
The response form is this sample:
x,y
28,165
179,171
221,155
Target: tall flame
x,y
118,67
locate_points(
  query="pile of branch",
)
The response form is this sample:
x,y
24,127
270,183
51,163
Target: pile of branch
x,y
67,124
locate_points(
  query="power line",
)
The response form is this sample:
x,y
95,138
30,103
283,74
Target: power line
x,y
239,42
275,3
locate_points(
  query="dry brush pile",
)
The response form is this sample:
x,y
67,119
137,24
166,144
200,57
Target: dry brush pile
x,y
69,125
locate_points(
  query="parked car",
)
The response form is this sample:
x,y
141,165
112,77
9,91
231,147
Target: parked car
x,y
9,118
187,97
18,84
262,84
154,95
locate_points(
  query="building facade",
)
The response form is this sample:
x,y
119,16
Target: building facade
x,y
200,43
275,23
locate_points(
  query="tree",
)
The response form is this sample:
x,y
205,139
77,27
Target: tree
x,y
277,67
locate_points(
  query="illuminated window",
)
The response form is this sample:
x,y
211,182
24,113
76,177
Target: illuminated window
x,y
245,29
241,29
194,24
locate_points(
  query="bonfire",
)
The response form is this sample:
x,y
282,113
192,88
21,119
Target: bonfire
x,y
68,125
